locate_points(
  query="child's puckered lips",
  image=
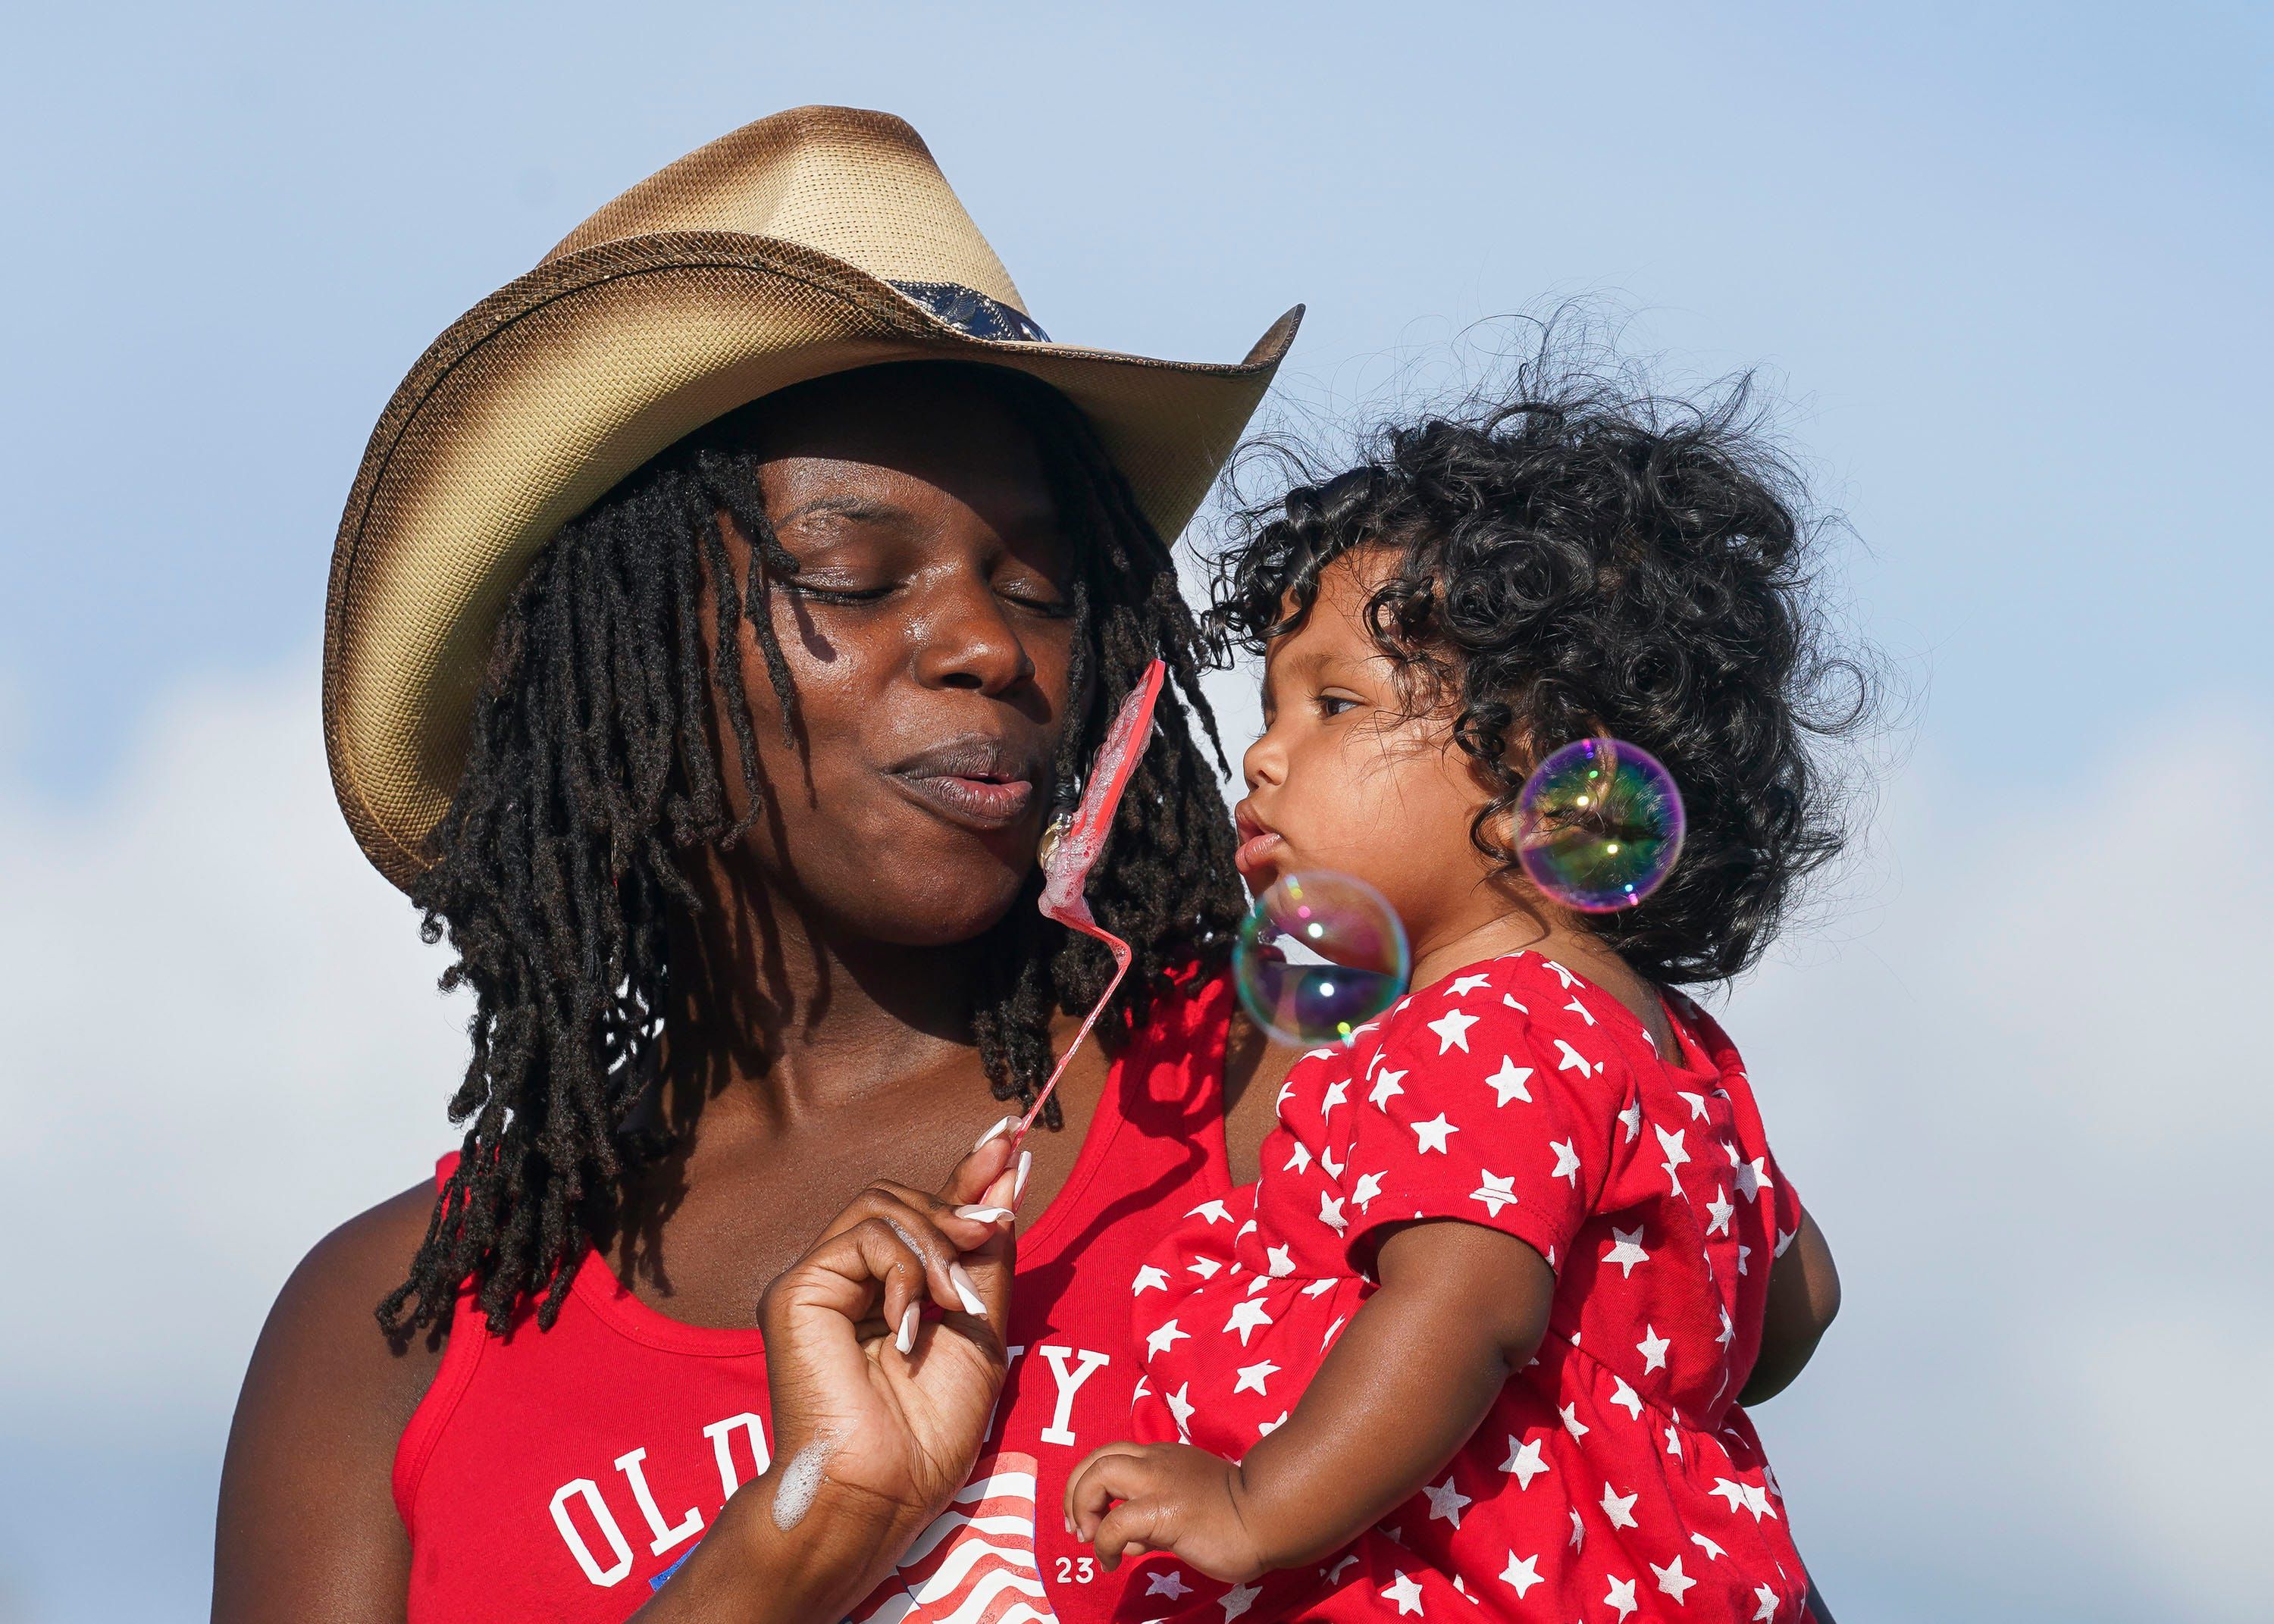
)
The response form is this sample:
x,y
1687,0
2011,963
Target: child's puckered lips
x,y
1260,844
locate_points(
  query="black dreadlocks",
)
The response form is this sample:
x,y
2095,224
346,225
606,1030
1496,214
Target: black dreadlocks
x,y
591,769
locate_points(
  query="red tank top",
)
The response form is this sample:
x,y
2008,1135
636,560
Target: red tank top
x,y
561,1475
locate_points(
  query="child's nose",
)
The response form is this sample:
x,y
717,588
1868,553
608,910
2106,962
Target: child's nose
x,y
1264,763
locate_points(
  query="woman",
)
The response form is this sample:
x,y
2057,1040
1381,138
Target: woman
x,y
718,614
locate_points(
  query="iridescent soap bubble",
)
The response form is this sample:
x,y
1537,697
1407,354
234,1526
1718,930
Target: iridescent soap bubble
x,y
1599,825
1320,955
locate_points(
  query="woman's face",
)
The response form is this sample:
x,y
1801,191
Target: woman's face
x,y
928,633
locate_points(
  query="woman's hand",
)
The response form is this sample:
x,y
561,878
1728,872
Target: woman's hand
x,y
878,1412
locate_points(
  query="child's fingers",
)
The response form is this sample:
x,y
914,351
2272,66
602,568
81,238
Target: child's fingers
x,y
1117,1471
1131,1528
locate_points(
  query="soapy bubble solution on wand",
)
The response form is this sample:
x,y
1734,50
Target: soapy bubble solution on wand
x,y
1318,956
1599,825
1074,842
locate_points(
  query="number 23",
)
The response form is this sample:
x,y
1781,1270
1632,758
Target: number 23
x,y
1077,1570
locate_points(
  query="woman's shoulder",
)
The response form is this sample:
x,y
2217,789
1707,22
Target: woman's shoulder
x,y
326,1398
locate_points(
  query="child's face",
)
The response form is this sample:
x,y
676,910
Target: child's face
x,y
1344,778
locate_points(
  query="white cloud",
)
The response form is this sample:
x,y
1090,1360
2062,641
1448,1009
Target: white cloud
x,y
2022,1088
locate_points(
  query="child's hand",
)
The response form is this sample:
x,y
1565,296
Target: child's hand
x,y
1173,1498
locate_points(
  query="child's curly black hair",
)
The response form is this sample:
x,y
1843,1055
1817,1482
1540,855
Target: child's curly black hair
x,y
1586,557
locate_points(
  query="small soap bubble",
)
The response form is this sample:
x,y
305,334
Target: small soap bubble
x,y
1599,825
1318,956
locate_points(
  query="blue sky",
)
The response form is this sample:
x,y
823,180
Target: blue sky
x,y
2008,265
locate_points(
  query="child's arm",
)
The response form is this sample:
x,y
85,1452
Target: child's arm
x,y
1460,1307
1804,1297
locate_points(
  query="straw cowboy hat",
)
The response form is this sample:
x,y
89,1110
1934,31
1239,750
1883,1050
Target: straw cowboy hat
x,y
809,243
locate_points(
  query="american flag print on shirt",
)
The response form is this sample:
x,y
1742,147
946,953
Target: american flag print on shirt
x,y
976,1563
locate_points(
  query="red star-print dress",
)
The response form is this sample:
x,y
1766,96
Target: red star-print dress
x,y
1615,1478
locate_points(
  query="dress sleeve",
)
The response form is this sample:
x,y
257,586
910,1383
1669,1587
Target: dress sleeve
x,y
1483,1104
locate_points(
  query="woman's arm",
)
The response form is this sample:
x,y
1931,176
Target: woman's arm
x,y
1478,1300
1803,1297
307,1528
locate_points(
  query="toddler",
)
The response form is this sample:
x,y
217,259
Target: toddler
x,y
1478,1336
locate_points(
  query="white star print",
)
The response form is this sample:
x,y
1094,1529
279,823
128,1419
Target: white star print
x,y
1385,1089
1744,1252
1205,1268
1510,1000
1508,1082
1261,1282
1580,1009
1626,1249
1300,1161
1468,984
1521,1574
1718,1210
1333,1575
1729,1332
1621,1596
1282,1261
1767,1599
1619,1507
1252,1376
1264,1429
1180,1408
1247,1317
1167,1337
1238,1599
1561,974
1578,1530
1573,1060
1627,1398
1215,1211
1150,1279
1571,1422
1752,1177
1652,1348
1496,1192
1676,1155
1566,1162
1405,1593
1369,1186
1170,1584
1445,1500
1433,1133
1319,1288
1337,1092
1744,1497
1631,1118
1674,1441
1452,1030
1713,1553
1671,1580
1523,1462
1330,1212
1333,1168
1697,1103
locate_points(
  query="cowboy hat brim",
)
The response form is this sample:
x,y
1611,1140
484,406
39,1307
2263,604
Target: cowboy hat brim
x,y
549,392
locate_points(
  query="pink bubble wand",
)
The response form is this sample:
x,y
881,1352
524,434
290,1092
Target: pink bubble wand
x,y
1070,850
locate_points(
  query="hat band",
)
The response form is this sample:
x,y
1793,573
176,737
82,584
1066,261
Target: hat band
x,y
968,310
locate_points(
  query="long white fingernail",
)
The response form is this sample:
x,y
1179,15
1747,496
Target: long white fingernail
x,y
905,1342
1026,1165
983,1214
961,1281
996,1132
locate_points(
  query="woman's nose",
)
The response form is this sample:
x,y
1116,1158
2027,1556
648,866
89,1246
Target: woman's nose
x,y
966,641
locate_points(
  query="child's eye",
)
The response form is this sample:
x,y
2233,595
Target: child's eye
x,y
1335,704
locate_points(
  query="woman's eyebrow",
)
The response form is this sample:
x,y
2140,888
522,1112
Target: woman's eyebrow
x,y
863,509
